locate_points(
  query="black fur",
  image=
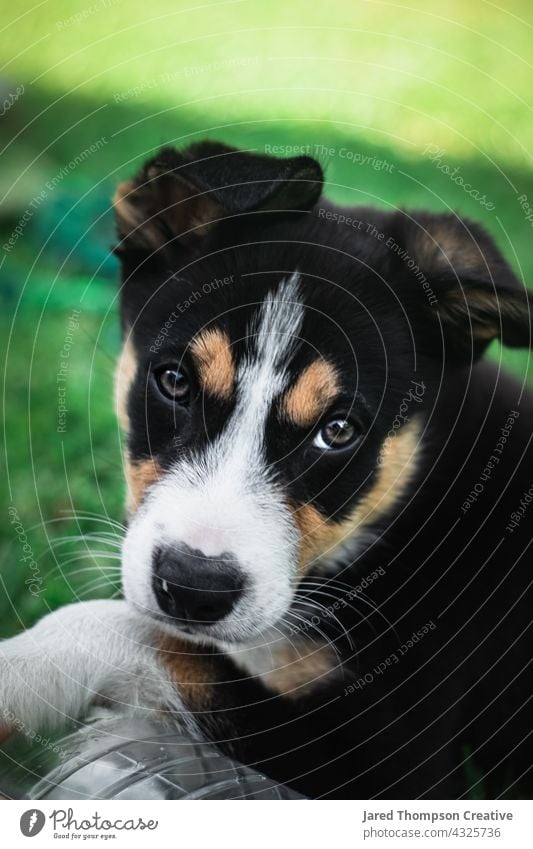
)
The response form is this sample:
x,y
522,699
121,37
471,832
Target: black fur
x,y
403,297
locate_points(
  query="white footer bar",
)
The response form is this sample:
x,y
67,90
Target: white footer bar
x,y
269,824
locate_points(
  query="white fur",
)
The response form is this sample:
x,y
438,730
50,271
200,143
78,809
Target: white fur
x,y
226,500
55,671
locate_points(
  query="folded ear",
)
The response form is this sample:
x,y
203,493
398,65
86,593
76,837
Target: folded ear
x,y
177,195
460,277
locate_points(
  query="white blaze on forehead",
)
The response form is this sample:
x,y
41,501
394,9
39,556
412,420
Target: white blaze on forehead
x,y
273,334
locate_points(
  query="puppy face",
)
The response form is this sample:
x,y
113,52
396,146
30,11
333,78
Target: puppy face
x,y
273,381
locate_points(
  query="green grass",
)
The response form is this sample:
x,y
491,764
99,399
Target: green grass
x,y
367,78
49,474
400,74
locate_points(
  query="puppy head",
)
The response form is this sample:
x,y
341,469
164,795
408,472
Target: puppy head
x,y
275,370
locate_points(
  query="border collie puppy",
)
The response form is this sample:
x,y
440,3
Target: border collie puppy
x,y
327,568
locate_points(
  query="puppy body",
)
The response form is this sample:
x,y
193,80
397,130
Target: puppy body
x,y
310,424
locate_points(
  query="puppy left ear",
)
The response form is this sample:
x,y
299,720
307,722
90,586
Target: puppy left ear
x,y
178,195
465,281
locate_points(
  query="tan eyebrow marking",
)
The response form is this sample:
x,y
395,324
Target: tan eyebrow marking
x,y
211,351
313,392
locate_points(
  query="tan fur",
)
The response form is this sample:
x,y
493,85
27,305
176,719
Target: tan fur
x,y
165,196
320,537
484,308
300,666
312,394
139,475
211,351
183,205
448,248
191,670
124,208
124,376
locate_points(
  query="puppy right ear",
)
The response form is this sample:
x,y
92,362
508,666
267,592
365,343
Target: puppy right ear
x,y
475,295
177,196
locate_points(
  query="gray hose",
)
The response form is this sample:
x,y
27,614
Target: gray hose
x,y
119,758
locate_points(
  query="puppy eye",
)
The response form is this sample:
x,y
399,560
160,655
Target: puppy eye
x,y
173,383
337,433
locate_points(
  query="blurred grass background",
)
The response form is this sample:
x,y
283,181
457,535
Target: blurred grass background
x,y
101,85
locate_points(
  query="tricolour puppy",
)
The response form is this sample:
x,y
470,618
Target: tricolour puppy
x,y
327,566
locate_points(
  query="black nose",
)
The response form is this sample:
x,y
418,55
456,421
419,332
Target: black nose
x,y
195,589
